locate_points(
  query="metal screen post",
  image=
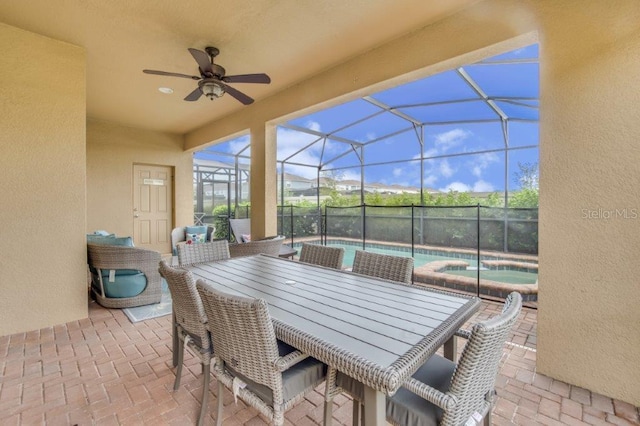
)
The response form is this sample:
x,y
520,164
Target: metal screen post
x,y
291,215
478,267
323,218
364,226
412,233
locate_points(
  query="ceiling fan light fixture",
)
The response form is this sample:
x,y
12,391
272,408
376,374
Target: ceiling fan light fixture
x,y
166,90
212,90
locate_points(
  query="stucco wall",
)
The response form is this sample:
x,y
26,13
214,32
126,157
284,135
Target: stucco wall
x,y
42,219
589,320
112,150
589,56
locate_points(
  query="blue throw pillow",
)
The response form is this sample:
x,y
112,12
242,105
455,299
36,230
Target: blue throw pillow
x,y
190,230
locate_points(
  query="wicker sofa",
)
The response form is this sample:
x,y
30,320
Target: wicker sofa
x,y
124,277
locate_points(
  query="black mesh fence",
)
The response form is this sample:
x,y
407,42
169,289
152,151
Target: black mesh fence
x,y
453,227
467,240
522,233
299,222
492,228
344,222
388,224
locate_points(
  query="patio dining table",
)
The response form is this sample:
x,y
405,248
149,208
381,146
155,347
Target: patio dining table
x,y
378,332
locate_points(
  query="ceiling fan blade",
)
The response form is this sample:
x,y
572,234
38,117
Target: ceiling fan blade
x,y
194,96
247,78
171,74
202,59
246,100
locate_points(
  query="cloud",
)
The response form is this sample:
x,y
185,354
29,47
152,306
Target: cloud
x,y
430,180
292,141
456,187
478,186
313,125
350,175
445,169
397,172
431,152
482,186
446,140
479,163
236,145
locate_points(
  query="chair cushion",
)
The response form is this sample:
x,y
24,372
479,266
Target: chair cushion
x,y
406,407
120,272
125,285
295,380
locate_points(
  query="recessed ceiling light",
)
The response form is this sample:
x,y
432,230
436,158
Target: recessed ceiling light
x,y
166,90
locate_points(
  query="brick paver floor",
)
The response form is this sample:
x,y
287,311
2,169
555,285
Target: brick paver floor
x,y
104,370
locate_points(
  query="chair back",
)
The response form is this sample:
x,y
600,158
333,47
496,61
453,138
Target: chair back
x,y
270,246
475,375
189,254
187,306
243,335
388,267
330,257
240,227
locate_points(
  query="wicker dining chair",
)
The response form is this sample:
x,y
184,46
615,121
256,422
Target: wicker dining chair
x,y
265,373
189,254
190,326
442,392
385,266
270,246
331,257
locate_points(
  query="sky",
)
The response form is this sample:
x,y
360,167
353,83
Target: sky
x,y
463,137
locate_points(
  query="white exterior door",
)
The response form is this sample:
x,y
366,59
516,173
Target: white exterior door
x,y
152,207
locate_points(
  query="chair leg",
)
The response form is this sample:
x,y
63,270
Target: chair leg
x,y
205,393
176,383
487,418
356,412
220,403
328,413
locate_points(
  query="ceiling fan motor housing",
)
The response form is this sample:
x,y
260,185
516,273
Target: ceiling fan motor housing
x,y
218,71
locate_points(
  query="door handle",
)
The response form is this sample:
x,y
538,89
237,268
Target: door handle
x,y
136,215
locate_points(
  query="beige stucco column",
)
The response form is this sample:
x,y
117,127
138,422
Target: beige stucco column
x,y
263,181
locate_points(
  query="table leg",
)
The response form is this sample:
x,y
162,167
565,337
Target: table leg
x,y
450,348
374,407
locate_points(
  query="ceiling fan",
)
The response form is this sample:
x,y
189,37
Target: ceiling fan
x,y
212,81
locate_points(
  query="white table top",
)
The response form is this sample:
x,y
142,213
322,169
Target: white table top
x,y
378,330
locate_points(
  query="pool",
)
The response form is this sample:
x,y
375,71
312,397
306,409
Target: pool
x,y
457,269
424,256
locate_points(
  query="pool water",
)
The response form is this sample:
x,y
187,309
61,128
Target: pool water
x,y
505,276
418,260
